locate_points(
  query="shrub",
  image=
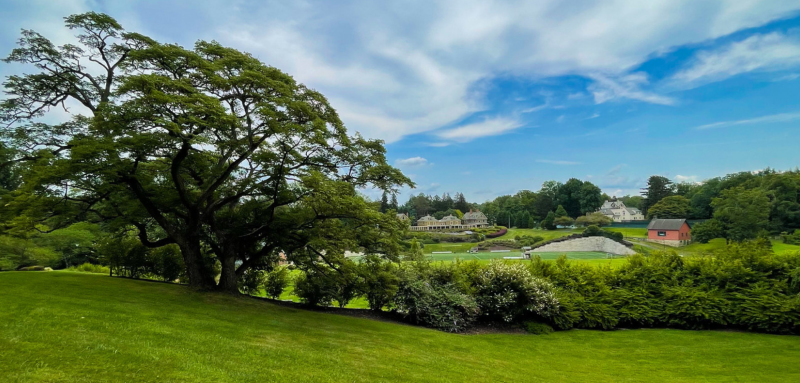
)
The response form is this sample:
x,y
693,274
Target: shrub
x,y
345,283
509,291
377,280
637,307
166,262
537,328
762,309
790,239
277,281
443,307
251,281
694,309
90,268
314,288
496,234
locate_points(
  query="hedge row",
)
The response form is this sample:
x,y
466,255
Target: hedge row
x,y
744,286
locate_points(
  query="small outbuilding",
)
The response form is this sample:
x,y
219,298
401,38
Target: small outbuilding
x,y
670,232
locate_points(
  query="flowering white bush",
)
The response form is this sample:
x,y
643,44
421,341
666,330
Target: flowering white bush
x,y
509,291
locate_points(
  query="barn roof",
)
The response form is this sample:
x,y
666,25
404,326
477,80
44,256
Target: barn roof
x,y
666,224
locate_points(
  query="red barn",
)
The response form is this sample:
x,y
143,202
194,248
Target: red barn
x,y
671,232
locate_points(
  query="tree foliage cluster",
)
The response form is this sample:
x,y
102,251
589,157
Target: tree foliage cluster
x,y
206,148
738,206
526,208
437,206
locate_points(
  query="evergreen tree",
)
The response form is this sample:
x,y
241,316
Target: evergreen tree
x,y
549,222
393,204
461,203
658,187
561,212
384,203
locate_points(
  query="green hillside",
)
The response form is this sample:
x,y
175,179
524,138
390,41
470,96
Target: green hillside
x,y
69,327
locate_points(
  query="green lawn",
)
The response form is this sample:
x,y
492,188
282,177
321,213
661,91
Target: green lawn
x,y
70,327
546,234
629,232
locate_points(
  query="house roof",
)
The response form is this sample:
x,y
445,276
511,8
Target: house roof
x,y
426,218
449,218
474,215
666,224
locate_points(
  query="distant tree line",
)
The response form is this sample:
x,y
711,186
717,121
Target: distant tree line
x,y
565,202
737,207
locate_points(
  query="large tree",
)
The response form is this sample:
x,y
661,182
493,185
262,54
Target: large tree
x,y
657,188
569,196
675,206
743,212
207,148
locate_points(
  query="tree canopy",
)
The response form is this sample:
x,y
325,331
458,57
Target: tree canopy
x,y
207,148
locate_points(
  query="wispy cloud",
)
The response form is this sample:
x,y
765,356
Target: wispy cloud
x,y
558,162
771,119
764,52
413,162
606,88
488,127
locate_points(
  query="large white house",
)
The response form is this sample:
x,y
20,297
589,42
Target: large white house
x,y
471,220
618,212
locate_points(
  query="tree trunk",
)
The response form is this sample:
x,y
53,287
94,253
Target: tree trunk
x,y
200,277
228,281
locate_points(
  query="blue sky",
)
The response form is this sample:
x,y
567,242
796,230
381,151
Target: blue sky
x,y
488,98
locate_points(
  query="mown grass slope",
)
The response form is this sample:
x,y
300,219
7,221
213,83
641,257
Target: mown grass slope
x,y
69,327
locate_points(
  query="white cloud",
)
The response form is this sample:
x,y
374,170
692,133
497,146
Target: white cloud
x,y
397,68
558,162
771,119
488,127
629,86
765,52
413,162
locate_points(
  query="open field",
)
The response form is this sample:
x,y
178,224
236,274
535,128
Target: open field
x,y
67,327
629,232
717,244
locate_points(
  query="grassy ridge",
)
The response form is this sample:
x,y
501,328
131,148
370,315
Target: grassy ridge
x,y
66,327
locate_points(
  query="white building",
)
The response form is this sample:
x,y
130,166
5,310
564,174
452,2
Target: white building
x,y
471,221
618,212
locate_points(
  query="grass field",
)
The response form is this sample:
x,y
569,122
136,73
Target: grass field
x,y
70,327
629,232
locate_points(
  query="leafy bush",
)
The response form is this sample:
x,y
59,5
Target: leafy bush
x,y
378,281
314,288
277,281
127,257
496,234
695,309
90,268
345,283
443,307
16,253
761,309
790,239
251,281
537,328
508,291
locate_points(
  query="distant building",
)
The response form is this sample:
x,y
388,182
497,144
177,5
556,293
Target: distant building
x,y
670,232
618,212
402,216
471,220
475,218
